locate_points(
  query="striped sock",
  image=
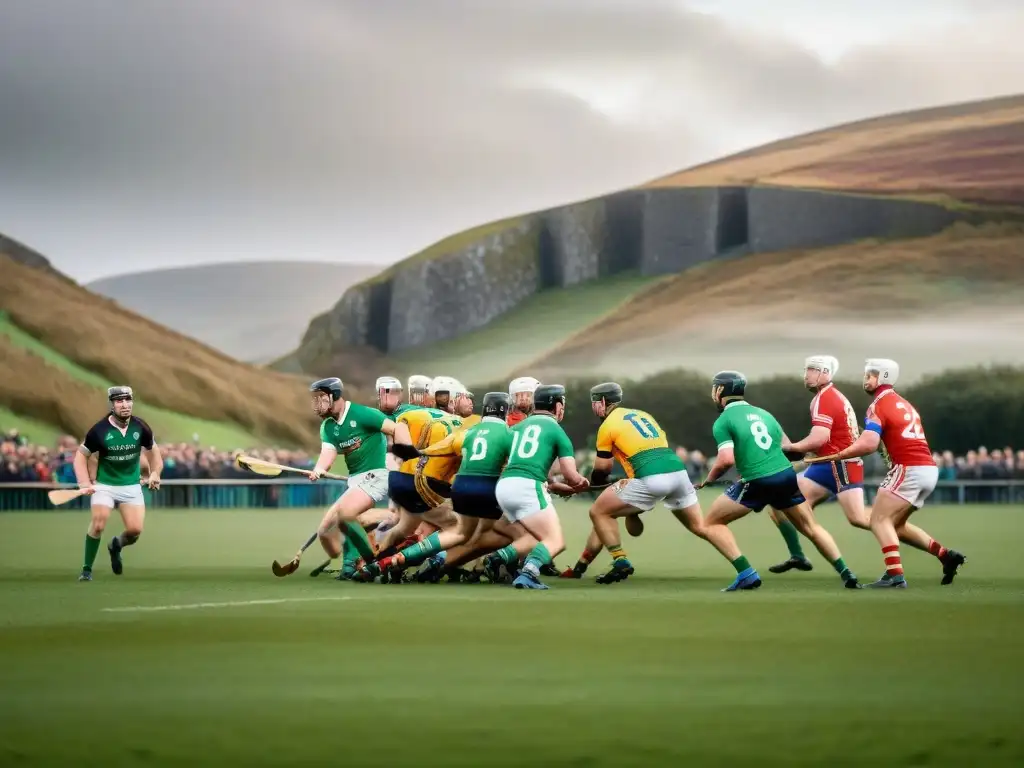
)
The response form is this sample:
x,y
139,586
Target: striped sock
x,y
617,552
936,549
893,565
587,557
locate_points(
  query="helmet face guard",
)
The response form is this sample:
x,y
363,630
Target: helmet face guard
x,y
122,401
325,393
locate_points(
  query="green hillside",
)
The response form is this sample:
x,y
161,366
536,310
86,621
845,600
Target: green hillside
x,y
169,425
529,332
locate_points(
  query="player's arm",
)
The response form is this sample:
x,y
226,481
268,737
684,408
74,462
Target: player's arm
x,y
93,442
154,458
604,461
445,447
566,461
867,443
817,437
328,455
401,439
726,458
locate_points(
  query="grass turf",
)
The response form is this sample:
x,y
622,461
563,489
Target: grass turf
x,y
660,669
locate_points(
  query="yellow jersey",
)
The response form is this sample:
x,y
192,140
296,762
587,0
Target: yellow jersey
x,y
442,457
418,420
634,439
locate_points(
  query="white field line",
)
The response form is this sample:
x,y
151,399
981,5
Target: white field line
x,y
231,604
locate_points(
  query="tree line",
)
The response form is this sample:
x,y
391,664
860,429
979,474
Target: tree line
x,y
960,409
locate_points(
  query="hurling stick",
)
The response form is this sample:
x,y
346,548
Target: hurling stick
x,y
64,495
270,469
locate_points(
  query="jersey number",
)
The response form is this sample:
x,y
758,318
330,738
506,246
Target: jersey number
x,y
479,446
760,432
914,430
527,447
639,423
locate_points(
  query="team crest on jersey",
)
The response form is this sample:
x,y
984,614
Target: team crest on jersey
x,y
135,435
109,437
352,424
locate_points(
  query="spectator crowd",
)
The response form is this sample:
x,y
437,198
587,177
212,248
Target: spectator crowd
x,y
21,462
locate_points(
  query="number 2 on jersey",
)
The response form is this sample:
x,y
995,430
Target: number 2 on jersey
x,y
526,447
914,430
642,425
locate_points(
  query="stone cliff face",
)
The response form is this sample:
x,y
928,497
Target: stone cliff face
x,y
655,231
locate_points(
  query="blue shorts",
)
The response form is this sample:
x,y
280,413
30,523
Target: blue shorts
x,y
779,491
473,496
836,476
402,490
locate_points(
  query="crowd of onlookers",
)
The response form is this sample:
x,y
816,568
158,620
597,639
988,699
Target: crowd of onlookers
x,y
21,461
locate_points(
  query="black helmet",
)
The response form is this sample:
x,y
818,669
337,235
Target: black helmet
x,y
331,386
610,392
119,393
733,383
496,404
546,395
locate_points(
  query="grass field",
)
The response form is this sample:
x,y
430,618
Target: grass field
x,y
197,655
521,335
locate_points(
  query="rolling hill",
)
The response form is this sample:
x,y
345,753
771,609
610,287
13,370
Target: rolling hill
x,y
253,311
61,346
948,181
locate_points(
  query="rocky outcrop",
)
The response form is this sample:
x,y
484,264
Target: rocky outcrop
x,y
652,231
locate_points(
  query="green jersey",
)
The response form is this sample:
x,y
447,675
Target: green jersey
x,y
357,423
485,448
755,437
118,451
536,442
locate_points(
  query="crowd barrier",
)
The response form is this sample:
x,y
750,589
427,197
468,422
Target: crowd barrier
x,y
295,493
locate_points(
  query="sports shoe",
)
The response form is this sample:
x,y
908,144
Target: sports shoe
x,y
798,563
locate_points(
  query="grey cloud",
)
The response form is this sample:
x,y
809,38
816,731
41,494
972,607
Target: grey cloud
x,y
175,132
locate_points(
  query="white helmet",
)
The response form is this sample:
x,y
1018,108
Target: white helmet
x,y
827,364
888,370
418,383
522,384
389,382
453,387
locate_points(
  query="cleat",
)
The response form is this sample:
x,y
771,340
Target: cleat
x,y
431,571
572,573
549,570
116,564
748,579
347,573
621,570
951,563
890,582
492,569
526,580
85,575
852,583
472,577
798,563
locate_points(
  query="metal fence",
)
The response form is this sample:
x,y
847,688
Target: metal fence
x,y
292,493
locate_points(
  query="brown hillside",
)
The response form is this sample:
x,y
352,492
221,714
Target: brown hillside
x,y
170,370
930,296
973,152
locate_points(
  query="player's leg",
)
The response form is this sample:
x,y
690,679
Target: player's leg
x,y
737,502
591,550
629,497
815,485
544,526
434,549
803,518
132,507
851,495
362,495
102,504
448,525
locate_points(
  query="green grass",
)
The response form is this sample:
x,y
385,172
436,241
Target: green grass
x,y
169,425
661,670
36,431
526,333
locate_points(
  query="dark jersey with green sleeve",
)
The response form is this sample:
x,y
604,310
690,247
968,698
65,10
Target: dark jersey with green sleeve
x,y
536,442
755,437
357,423
118,452
485,448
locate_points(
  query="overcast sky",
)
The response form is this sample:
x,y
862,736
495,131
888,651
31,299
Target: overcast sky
x,y
137,134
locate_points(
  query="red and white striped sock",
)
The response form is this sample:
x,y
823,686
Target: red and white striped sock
x,y
893,565
936,549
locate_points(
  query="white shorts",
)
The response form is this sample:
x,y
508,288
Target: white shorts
x,y
373,483
111,495
674,488
520,497
912,484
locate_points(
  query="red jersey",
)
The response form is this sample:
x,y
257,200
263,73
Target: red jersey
x,y
514,417
899,425
831,409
